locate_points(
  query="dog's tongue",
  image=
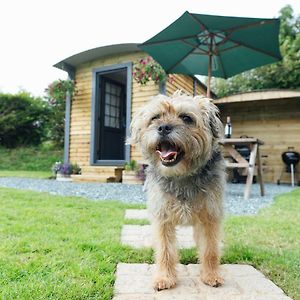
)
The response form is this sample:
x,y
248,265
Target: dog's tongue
x,y
167,153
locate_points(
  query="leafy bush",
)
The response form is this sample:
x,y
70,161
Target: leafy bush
x,y
23,119
281,75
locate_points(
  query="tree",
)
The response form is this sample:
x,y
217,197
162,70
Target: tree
x,y
284,74
23,119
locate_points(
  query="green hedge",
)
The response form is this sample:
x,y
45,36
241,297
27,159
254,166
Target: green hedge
x,y
23,120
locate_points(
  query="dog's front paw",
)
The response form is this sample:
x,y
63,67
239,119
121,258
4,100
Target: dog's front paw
x,y
164,282
212,279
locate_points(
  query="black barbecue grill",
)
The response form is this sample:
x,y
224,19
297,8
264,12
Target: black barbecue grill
x,y
291,159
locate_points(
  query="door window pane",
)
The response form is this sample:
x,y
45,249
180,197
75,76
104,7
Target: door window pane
x,y
112,105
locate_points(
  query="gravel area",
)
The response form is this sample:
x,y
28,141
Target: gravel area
x,y
234,202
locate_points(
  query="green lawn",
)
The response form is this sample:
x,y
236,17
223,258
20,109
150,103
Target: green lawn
x,y
38,158
30,162
68,248
27,174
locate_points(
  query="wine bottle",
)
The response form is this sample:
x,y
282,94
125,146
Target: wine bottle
x,y
228,128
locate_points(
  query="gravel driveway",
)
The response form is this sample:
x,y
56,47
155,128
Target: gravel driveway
x,y
234,202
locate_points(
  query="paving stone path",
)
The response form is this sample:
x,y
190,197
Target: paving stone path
x,y
134,281
242,282
138,214
139,236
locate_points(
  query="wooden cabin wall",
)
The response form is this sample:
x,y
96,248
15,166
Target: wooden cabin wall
x,y
80,130
276,122
184,83
180,82
141,94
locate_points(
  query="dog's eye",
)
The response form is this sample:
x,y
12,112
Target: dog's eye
x,y
186,119
155,117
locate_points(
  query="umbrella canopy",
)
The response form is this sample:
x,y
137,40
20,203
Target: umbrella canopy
x,y
215,45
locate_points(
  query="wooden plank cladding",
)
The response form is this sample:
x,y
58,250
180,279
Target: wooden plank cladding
x,y
276,122
186,84
81,109
180,82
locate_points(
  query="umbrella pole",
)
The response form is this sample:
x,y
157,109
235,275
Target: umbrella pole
x,y
209,76
209,66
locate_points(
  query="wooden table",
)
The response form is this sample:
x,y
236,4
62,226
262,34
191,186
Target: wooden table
x,y
241,163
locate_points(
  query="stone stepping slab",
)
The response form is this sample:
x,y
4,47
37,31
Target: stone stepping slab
x,y
140,236
242,282
138,214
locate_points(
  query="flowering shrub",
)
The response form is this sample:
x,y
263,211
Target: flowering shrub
x,y
65,169
141,172
56,97
56,91
148,69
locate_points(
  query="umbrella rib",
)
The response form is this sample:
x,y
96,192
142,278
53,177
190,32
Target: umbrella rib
x,y
179,61
197,21
263,21
255,49
229,48
195,46
168,40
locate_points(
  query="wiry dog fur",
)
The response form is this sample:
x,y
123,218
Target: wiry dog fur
x,y
178,137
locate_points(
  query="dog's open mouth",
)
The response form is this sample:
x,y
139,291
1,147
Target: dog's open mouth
x,y
169,153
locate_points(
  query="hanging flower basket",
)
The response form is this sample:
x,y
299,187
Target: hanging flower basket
x,y
148,69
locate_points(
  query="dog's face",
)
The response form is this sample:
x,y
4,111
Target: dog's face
x,y
176,134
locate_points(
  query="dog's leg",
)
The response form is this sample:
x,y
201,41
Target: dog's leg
x,y
166,255
211,254
197,235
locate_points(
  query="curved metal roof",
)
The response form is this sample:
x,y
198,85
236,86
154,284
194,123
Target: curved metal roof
x,y
70,63
273,94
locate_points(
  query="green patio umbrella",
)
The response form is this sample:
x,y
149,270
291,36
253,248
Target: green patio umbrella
x,y
216,46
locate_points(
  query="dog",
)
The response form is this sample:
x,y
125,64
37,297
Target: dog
x,y
178,137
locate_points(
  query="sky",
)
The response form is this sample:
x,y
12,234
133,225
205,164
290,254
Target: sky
x,y
36,34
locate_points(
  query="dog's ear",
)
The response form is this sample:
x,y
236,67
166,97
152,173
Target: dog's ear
x,y
215,123
136,128
211,117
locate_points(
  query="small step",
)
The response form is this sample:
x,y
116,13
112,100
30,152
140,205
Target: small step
x,y
93,178
134,281
108,171
140,236
100,169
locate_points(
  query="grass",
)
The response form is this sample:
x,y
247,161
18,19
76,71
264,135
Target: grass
x,y
68,248
269,241
27,174
31,159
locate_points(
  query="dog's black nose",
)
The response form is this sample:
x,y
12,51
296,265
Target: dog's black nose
x,y
165,129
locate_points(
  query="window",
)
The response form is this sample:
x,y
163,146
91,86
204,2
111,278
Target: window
x,y
112,111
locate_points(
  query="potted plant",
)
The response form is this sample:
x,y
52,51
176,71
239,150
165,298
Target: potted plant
x,y
62,172
131,173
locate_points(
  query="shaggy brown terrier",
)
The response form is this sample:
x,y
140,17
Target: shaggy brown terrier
x,y
178,137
